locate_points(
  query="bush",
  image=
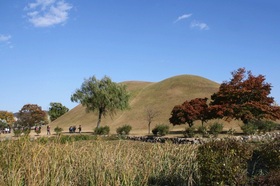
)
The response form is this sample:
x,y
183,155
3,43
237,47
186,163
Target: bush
x,y
17,132
249,129
272,178
102,130
189,132
161,130
58,130
65,139
265,163
216,128
223,162
203,131
265,126
26,131
269,156
231,132
83,137
124,130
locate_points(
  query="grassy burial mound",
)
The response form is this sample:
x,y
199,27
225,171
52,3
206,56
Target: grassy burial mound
x,y
160,96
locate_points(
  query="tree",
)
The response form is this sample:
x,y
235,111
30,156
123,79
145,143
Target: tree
x,y
103,95
151,114
190,111
56,110
8,117
244,97
31,115
200,109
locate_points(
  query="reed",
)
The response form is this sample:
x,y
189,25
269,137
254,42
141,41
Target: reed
x,y
96,162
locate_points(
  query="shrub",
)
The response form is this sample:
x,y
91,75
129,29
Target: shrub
x,y
102,130
124,130
26,131
189,132
84,137
265,163
17,132
203,131
272,178
65,139
269,155
223,162
58,130
231,131
249,129
216,128
265,126
161,130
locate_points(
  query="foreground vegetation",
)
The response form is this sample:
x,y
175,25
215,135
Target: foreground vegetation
x,y
91,160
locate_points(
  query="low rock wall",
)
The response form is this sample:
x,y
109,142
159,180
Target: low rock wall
x,y
176,140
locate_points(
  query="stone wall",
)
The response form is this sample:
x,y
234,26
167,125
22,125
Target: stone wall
x,y
252,138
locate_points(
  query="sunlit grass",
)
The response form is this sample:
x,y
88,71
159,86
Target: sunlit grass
x,y
96,162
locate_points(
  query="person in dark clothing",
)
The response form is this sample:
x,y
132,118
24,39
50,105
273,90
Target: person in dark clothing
x,y
80,128
48,130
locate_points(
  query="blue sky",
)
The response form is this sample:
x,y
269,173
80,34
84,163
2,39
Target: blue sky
x,y
48,47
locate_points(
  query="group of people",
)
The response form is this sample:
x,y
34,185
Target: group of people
x,y
37,128
72,129
6,130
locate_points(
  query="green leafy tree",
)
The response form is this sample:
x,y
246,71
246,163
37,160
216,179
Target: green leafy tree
x,y
103,95
31,115
56,110
244,97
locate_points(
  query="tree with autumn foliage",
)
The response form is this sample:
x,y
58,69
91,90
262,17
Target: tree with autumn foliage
x,y
190,111
245,97
31,115
8,117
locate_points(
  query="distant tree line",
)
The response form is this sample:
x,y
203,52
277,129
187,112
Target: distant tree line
x,y
31,115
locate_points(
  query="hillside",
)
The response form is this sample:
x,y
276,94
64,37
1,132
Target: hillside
x,y
161,96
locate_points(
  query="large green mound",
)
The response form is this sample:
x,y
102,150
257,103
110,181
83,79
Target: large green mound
x,y
161,96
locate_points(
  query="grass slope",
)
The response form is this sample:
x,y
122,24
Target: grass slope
x,y
161,96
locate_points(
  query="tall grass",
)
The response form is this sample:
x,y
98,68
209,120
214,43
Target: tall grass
x,y
96,162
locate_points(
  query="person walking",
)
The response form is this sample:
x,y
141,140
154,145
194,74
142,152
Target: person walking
x,y
80,128
48,130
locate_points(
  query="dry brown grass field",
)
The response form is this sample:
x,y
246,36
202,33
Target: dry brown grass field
x,y
161,96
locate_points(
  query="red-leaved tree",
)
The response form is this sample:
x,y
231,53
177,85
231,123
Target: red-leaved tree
x,y
245,97
190,111
31,115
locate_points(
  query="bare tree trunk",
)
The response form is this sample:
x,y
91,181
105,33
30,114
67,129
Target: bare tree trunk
x,y
149,125
99,118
